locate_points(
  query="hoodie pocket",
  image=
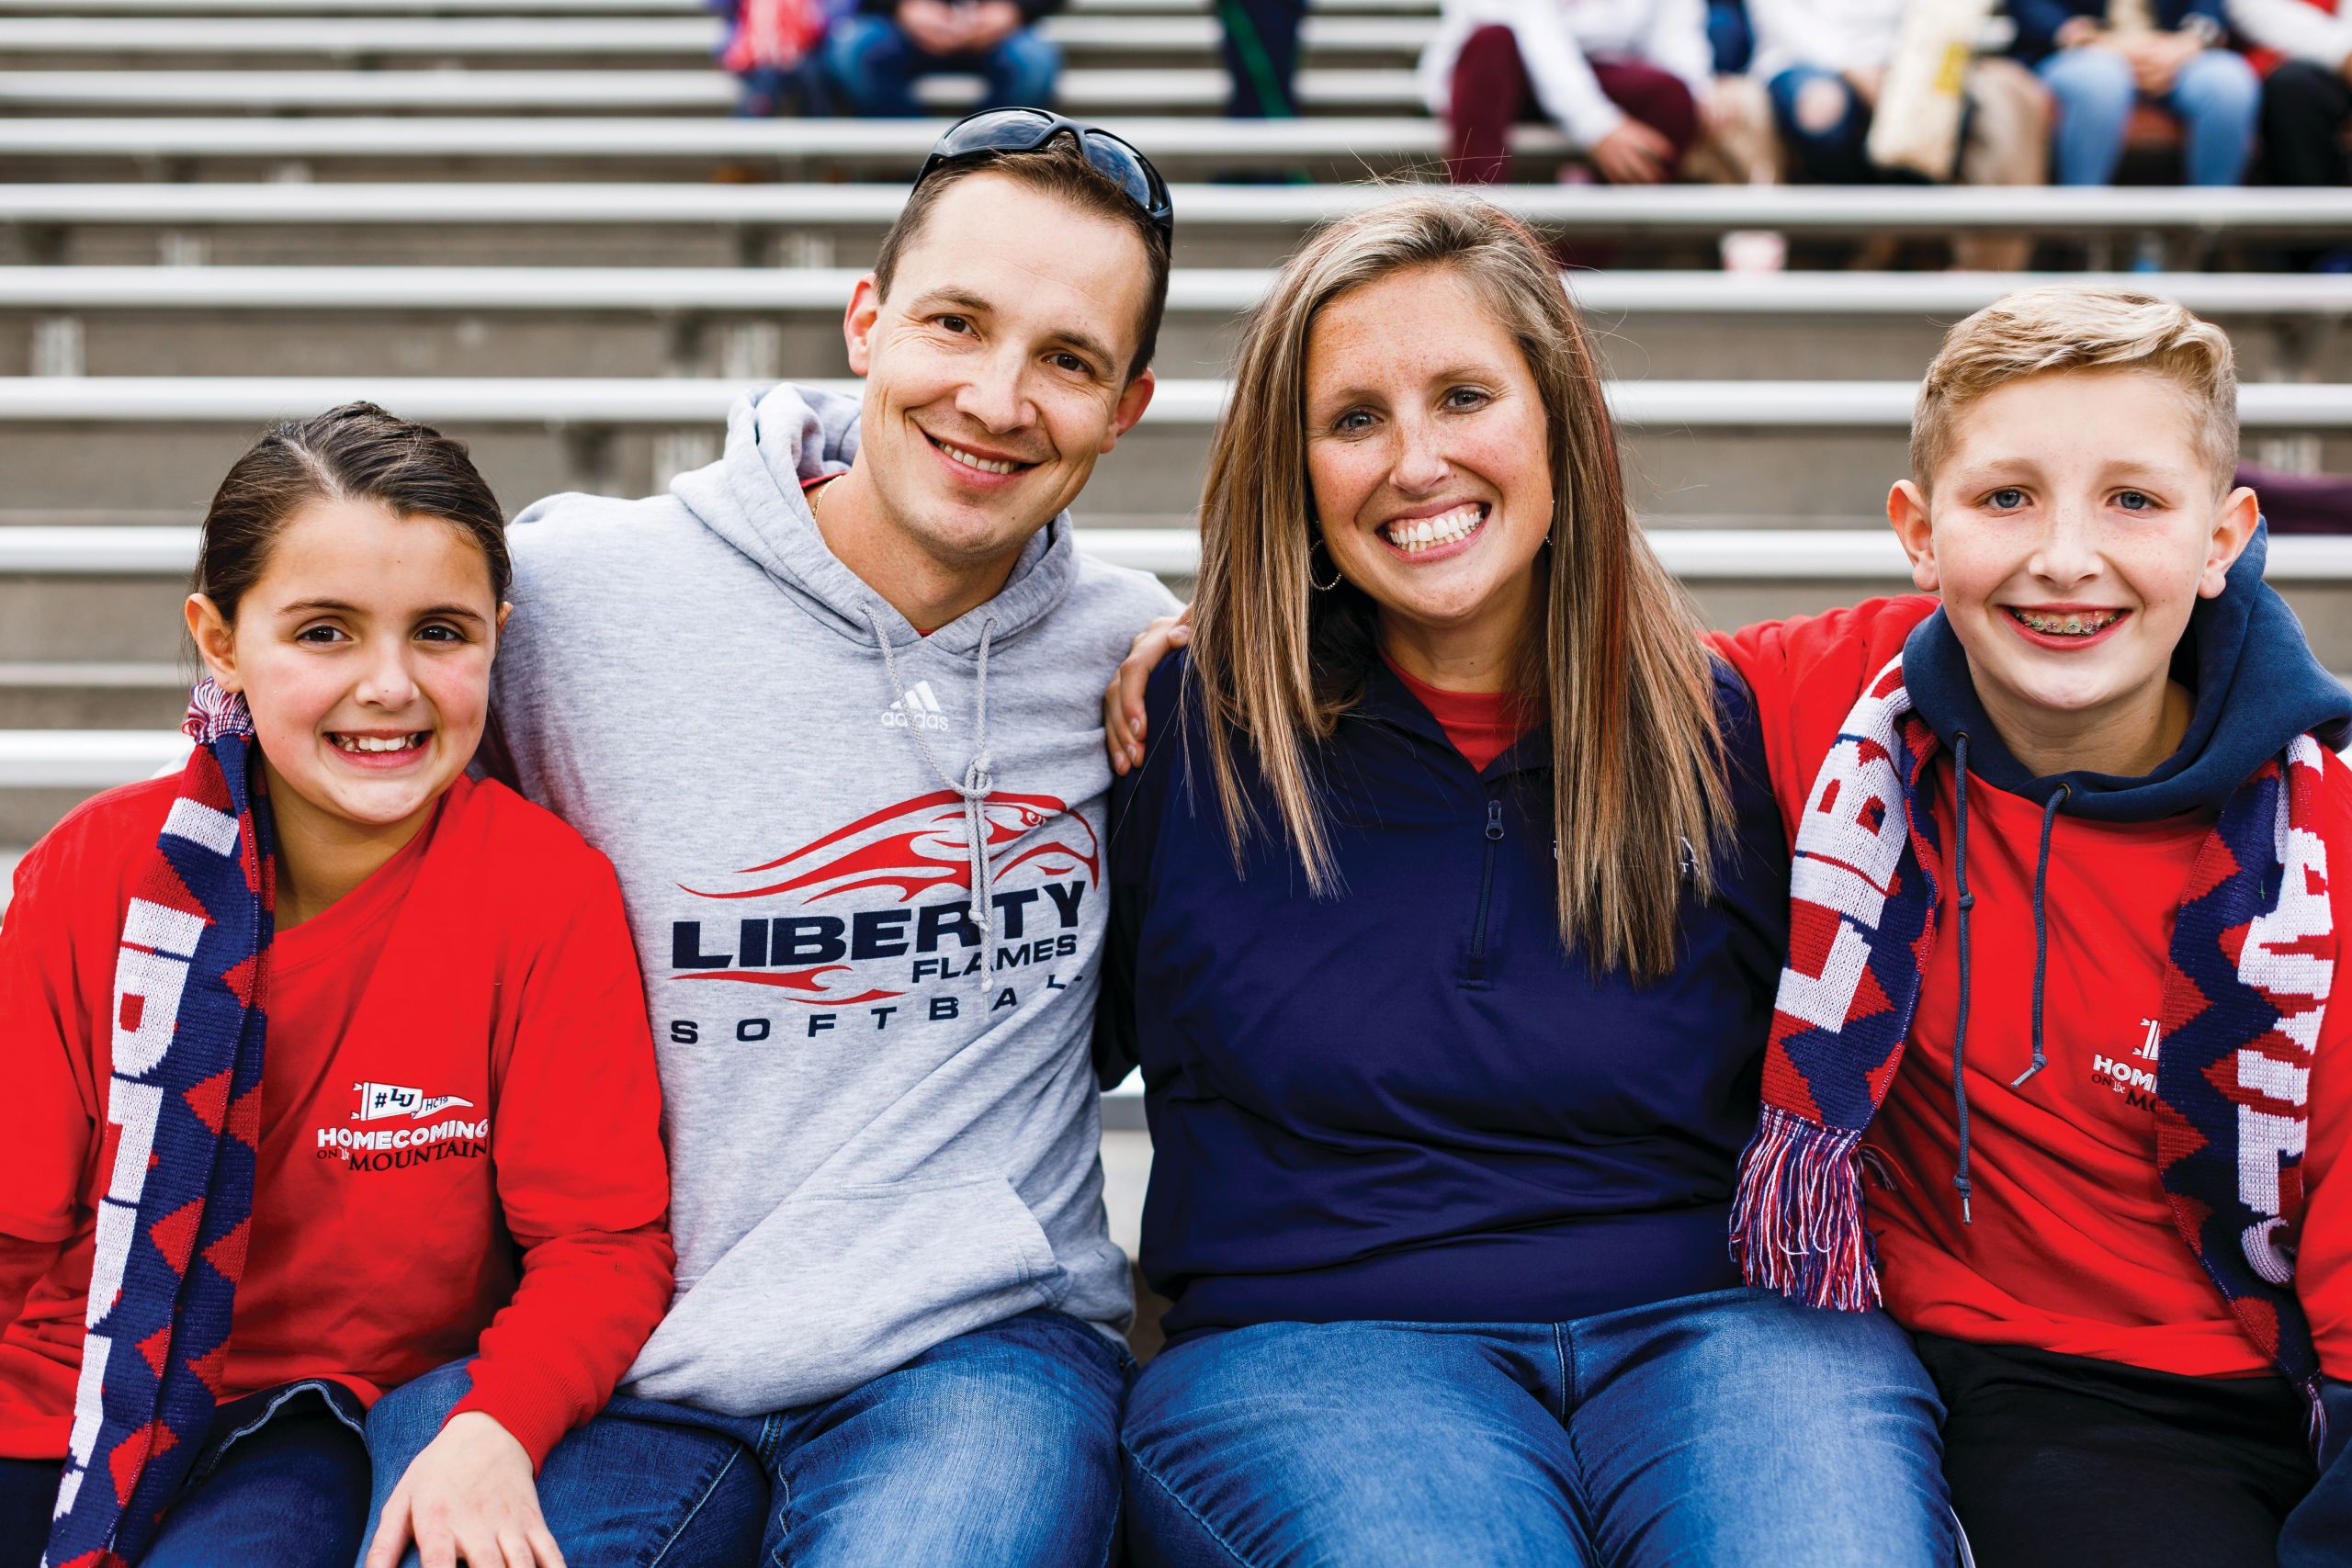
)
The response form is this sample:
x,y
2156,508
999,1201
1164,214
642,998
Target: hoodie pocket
x,y
840,1285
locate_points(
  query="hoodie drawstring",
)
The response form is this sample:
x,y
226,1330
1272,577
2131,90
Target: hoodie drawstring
x,y
2041,928
1966,901
978,781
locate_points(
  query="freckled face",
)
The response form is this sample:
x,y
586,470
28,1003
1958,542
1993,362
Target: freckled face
x,y
364,651
2071,529
1428,454
996,372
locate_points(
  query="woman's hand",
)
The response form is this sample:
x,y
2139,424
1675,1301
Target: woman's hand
x,y
468,1497
1123,698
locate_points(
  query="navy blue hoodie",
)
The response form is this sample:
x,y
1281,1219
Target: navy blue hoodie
x,y
1405,1101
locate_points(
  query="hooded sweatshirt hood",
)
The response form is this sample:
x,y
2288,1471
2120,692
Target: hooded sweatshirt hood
x,y
880,1109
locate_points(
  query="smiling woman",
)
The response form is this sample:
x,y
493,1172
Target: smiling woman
x,y
1449,897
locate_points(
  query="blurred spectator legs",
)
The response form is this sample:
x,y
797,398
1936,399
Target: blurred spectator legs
x,y
873,66
1730,37
1491,94
2304,108
1260,45
1824,123
800,90
2216,97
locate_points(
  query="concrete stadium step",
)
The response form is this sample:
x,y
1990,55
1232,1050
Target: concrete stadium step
x,y
590,92
1737,577
629,147
1730,450
757,322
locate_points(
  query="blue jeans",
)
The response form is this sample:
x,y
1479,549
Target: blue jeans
x,y
1830,153
281,1481
1723,1429
2216,97
873,67
999,1446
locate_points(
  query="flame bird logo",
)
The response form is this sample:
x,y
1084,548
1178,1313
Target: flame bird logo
x,y
915,847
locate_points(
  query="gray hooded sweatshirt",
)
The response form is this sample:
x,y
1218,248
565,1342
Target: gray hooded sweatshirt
x,y
880,1113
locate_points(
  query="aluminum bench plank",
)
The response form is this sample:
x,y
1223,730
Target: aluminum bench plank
x,y
687,290
619,91
2113,209
667,402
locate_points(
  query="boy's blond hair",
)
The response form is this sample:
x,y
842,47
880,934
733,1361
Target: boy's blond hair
x,y
2077,327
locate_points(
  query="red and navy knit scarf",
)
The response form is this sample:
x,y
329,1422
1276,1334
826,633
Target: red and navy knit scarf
x,y
171,1225
2245,989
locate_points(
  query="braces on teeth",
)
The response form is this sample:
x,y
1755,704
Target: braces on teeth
x,y
2072,623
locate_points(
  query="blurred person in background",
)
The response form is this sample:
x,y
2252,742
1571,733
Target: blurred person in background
x,y
2305,48
2101,58
1626,79
773,49
874,55
1824,64
1260,39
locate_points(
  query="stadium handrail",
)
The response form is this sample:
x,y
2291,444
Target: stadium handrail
x,y
1223,290
1818,208
665,402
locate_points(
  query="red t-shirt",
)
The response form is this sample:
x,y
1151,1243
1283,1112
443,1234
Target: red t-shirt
x,y
1482,724
457,1071
2072,1245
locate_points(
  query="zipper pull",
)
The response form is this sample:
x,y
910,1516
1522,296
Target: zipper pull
x,y
1493,821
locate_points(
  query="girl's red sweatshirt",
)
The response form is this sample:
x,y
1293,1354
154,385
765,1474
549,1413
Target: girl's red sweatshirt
x,y
2073,1246
461,1143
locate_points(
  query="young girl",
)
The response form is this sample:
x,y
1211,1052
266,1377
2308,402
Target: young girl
x,y
330,1065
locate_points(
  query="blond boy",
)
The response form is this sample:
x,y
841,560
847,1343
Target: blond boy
x,y
2062,941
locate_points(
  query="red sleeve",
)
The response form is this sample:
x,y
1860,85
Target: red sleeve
x,y
2324,1254
45,1057
61,919
581,1173
1805,672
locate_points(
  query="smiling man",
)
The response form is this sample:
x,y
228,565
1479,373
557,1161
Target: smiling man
x,y
830,704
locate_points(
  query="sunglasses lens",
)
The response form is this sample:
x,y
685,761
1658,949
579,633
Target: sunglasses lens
x,y
1002,131
1122,168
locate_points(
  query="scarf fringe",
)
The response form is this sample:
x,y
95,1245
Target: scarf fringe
x,y
1797,1219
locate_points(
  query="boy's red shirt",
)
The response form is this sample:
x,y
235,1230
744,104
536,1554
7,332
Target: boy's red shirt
x,y
487,965
2073,1246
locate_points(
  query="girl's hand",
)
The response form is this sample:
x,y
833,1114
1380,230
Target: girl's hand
x,y
1123,698
469,1498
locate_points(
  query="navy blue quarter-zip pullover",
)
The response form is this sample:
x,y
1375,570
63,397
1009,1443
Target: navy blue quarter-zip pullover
x,y
1406,1100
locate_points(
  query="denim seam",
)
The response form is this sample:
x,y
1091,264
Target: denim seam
x,y
1206,1528
783,1481
1567,1369
710,1490
308,1385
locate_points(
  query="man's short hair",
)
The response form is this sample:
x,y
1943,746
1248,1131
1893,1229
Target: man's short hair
x,y
1059,169
2076,327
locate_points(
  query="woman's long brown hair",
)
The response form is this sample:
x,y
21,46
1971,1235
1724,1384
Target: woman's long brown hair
x,y
1639,799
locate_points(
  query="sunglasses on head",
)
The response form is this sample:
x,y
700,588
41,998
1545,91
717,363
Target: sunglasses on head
x,y
1026,130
